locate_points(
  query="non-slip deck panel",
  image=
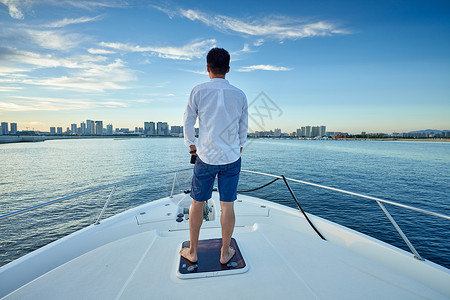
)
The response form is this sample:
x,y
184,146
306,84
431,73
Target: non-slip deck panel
x,y
209,260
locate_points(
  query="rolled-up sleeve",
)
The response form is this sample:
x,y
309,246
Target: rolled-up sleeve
x,y
190,117
243,124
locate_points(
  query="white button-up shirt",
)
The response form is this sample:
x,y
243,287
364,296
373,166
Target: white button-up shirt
x,y
223,121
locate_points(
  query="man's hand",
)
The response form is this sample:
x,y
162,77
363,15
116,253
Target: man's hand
x,y
193,148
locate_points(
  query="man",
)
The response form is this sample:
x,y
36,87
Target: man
x,y
222,114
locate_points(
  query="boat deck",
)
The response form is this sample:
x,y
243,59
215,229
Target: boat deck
x,y
134,255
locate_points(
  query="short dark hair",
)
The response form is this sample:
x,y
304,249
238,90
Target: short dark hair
x,y
218,60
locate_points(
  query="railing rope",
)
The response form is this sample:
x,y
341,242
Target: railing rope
x,y
301,209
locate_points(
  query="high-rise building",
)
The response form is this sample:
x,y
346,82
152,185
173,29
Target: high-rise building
x,y
98,127
109,129
5,128
323,130
53,130
59,130
303,131
13,128
162,128
73,128
307,132
277,132
149,128
83,128
315,131
90,127
176,129
299,132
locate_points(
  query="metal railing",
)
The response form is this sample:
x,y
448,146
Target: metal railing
x,y
114,185
379,202
175,180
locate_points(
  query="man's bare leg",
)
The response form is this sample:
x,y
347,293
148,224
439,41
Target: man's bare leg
x,y
195,222
227,220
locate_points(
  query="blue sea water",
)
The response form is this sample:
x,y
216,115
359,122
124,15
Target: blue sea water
x,y
412,173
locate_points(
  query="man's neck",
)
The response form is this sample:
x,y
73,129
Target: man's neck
x,y
212,76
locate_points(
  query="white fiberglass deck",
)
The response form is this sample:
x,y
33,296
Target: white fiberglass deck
x,y
134,255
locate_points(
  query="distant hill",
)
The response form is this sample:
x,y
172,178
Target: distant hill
x,y
427,131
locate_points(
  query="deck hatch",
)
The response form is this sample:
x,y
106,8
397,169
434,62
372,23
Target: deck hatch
x,y
208,261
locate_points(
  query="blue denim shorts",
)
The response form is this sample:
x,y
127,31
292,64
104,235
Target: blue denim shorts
x,y
205,174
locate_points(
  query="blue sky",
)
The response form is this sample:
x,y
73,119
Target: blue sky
x,y
375,66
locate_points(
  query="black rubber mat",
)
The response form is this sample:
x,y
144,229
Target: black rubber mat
x,y
208,258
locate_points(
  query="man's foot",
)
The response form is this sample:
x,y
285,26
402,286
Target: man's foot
x,y
186,253
225,257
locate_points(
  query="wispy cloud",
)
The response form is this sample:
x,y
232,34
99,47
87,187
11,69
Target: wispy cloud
x,y
258,42
279,27
24,103
9,88
262,67
65,22
97,78
54,40
14,8
196,71
100,51
245,49
9,71
82,73
196,49
36,60
91,5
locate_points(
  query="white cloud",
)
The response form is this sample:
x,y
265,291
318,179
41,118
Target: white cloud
x,y
54,40
64,22
279,27
263,67
197,72
9,88
27,37
14,10
100,51
16,7
245,49
96,78
83,73
10,106
90,5
23,103
258,42
196,49
170,12
11,55
9,71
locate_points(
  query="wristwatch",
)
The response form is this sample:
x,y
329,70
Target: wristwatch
x,y
193,151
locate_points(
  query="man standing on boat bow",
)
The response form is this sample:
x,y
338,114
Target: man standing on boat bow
x,y
222,114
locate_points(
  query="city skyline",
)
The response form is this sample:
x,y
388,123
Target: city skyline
x,y
355,66
149,128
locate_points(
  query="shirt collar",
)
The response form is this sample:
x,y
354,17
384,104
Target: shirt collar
x,y
219,79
